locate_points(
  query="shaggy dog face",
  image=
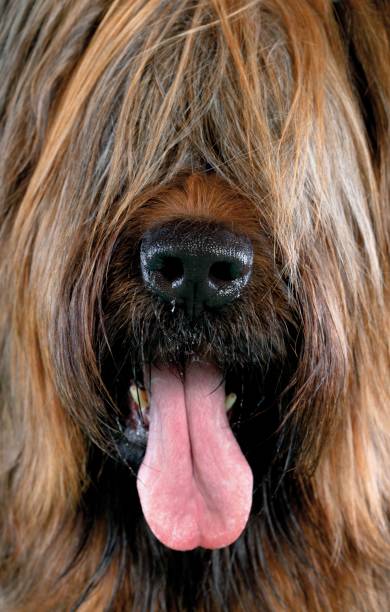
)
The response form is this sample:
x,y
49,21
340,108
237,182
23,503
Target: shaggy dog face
x,y
194,308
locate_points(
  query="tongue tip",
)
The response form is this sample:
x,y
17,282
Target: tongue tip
x,y
184,543
185,533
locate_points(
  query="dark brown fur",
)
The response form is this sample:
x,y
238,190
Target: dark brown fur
x,y
271,117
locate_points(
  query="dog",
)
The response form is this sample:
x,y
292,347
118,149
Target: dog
x,y
195,368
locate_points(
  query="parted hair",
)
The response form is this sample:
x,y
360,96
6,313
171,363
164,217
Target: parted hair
x,y
272,115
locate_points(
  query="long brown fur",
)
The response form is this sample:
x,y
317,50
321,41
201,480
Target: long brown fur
x,y
273,117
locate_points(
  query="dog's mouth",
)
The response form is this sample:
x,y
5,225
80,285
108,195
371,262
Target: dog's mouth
x,y
137,421
194,483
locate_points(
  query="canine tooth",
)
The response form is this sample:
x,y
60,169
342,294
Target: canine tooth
x,y
140,396
230,401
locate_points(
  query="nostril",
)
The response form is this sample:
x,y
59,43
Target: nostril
x,y
171,268
225,271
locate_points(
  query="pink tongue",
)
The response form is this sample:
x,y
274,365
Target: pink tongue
x,y
194,484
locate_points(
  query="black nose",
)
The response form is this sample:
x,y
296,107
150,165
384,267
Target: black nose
x,y
195,265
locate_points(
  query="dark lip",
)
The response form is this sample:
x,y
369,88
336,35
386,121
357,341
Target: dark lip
x,y
132,436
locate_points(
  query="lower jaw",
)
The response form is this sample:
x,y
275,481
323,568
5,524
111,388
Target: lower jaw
x,y
255,420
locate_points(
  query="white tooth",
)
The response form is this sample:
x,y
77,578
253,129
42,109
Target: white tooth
x,y
144,398
140,396
134,394
230,401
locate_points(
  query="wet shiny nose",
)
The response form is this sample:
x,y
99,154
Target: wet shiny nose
x,y
195,265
